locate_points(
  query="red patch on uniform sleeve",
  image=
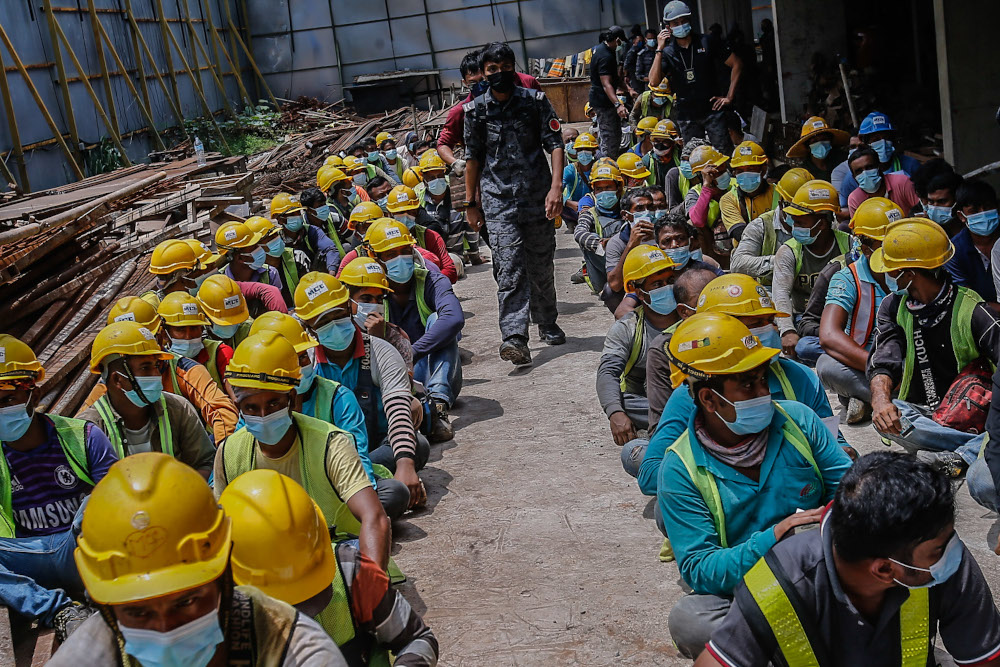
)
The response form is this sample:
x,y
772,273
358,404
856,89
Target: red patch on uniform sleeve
x,y
554,125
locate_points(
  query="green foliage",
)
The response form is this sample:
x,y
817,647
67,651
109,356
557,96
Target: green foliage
x,y
254,130
102,158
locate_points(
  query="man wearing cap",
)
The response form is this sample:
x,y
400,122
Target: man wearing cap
x,y
928,332
690,61
875,182
820,148
747,471
49,466
877,132
753,196
848,321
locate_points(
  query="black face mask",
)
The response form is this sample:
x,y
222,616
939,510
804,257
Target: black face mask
x,y
480,87
502,81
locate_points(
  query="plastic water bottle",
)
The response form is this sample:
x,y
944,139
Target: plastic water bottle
x,y
199,151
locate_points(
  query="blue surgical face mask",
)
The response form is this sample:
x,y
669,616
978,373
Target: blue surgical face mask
x,y
820,149
748,181
803,236
983,223
406,219
660,215
225,331
681,31
651,43
940,571
685,168
323,212
607,200
570,151
869,180
186,347
696,255
269,429
939,214
662,301
336,335
752,416
659,101
259,257
399,269
884,148
14,422
585,157
383,202
360,178
891,284
768,335
366,309
373,157
276,247
437,186
297,222
151,388
723,180
391,154
306,381
640,216
190,645
679,256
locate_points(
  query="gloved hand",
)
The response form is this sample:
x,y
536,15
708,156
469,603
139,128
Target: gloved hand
x,y
458,167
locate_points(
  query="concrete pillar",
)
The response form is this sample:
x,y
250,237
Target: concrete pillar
x,y
967,80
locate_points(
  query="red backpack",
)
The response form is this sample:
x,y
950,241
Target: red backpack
x,y
967,401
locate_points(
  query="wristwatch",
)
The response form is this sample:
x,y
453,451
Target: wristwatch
x,y
469,204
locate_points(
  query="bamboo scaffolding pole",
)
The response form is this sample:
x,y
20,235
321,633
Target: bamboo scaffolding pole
x,y
74,134
173,102
164,32
253,65
218,83
102,63
15,134
199,91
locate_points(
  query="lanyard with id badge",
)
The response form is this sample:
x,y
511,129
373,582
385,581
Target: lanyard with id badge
x,y
688,68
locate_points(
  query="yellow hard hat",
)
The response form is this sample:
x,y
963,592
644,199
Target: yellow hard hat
x,y
334,161
134,309
204,254
401,199
386,234
17,362
412,177
284,203
912,243
816,125
661,89
222,301
737,294
382,137
262,226
813,197
605,161
632,165
709,344
236,236
285,325
317,293
706,155
605,172
172,255
327,176
748,153
365,211
585,141
353,165
643,261
364,272
431,161
281,541
874,216
665,129
267,361
152,527
791,181
126,339
646,125
180,309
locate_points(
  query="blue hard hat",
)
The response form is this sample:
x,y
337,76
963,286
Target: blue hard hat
x,y
675,9
874,122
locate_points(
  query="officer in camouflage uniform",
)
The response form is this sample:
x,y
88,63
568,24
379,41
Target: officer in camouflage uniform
x,y
507,131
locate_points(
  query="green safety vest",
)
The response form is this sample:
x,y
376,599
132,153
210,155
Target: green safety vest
x,y
289,271
714,212
745,210
704,481
103,407
963,344
843,242
646,100
683,184
212,346
239,450
420,234
775,603
783,381
770,244
72,436
420,276
637,339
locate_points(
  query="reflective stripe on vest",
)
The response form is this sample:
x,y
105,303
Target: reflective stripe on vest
x,y
420,274
785,624
103,407
770,244
714,212
963,344
683,184
240,450
747,213
637,340
783,381
325,391
72,436
863,317
172,364
704,481
567,192
420,233
213,361
336,618
843,240
290,272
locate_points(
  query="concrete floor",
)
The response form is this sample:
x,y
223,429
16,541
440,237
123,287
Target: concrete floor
x,y
536,547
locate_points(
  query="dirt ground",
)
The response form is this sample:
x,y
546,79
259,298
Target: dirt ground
x,y
536,547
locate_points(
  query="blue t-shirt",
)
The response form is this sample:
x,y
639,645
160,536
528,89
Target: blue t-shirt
x,y
843,291
575,184
347,415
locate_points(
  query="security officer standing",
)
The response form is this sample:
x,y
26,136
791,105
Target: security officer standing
x,y
604,86
507,131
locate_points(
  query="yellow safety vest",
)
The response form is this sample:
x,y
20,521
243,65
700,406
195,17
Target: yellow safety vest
x,y
103,407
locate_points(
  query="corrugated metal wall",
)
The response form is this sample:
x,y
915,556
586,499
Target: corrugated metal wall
x,y
316,47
